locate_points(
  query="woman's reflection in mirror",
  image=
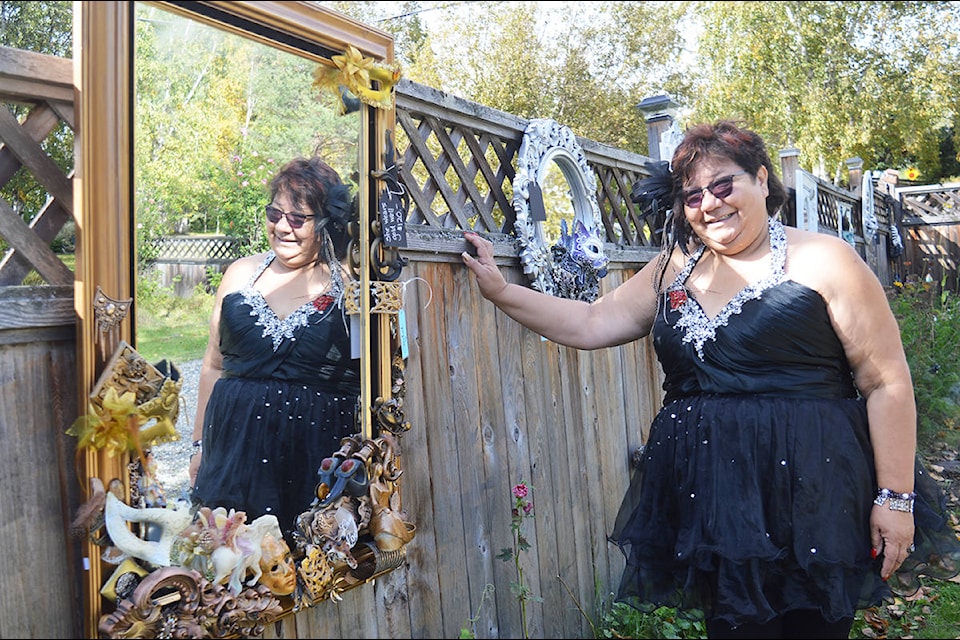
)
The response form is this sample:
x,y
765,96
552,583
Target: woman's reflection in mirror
x,y
278,386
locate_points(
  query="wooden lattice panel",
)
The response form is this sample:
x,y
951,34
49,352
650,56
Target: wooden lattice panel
x,y
624,222
44,83
456,177
203,248
458,159
934,205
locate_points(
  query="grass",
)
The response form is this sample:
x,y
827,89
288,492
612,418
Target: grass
x,y
163,337
172,327
934,612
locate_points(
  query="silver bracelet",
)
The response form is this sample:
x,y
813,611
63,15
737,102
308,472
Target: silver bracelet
x,y
898,501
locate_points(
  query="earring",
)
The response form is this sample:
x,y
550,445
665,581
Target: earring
x,y
336,270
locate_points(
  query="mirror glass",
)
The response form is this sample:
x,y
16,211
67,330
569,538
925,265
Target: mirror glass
x,y
215,115
557,202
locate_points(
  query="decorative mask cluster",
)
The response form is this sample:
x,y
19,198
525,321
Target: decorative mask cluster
x,y
578,262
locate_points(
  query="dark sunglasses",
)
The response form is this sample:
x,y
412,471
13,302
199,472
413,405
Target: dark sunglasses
x,y
720,188
295,220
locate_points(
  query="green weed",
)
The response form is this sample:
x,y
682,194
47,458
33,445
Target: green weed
x,y
929,319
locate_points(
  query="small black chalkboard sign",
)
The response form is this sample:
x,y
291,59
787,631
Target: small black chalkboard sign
x,y
538,212
393,218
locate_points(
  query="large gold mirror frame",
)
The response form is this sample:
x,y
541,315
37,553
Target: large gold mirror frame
x,y
106,254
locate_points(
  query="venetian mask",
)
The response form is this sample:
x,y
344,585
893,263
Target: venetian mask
x,y
279,574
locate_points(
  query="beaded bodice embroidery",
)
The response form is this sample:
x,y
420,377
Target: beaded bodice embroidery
x,y
273,326
696,325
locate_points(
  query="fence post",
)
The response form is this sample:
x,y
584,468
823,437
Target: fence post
x,y
662,138
889,180
789,163
855,173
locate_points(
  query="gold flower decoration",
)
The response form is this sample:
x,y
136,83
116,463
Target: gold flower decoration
x,y
110,425
117,424
355,72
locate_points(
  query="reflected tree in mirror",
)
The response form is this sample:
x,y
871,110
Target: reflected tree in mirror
x,y
557,203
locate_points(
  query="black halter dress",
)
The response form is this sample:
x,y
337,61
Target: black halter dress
x,y
287,396
754,489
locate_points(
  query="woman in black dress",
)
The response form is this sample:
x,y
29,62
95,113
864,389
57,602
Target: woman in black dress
x,y
279,386
778,490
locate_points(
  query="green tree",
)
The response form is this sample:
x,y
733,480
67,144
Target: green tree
x,y
835,79
878,80
582,64
43,27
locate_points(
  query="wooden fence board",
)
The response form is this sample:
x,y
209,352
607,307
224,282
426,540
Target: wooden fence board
x,y
480,457
571,398
416,492
29,76
34,307
453,588
37,397
553,505
503,433
611,388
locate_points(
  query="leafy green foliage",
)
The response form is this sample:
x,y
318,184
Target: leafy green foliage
x,y
623,621
929,319
837,80
934,612
834,79
43,27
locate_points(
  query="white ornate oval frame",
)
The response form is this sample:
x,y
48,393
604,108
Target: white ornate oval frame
x,y
545,141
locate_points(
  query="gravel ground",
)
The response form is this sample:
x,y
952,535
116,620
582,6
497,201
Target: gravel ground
x,y
173,458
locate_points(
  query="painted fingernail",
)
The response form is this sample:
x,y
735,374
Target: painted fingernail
x,y
873,553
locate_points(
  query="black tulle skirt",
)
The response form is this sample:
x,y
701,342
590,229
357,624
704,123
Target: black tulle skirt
x,y
743,508
263,441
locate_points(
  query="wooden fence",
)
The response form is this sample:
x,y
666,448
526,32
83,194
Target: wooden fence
x,y
931,220
491,404
41,581
182,263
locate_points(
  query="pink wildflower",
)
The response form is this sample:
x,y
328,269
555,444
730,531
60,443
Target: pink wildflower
x,y
520,490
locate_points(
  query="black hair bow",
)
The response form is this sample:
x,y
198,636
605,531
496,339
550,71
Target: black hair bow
x,y
655,193
339,205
